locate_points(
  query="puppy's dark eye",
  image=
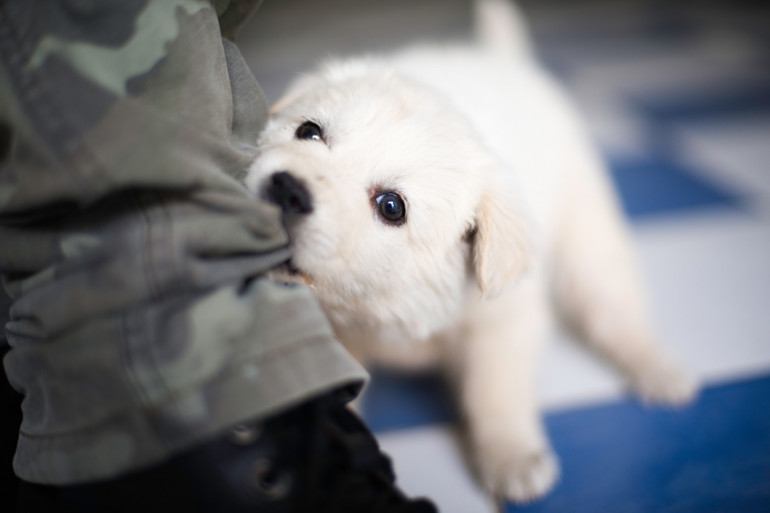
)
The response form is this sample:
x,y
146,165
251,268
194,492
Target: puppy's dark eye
x,y
309,130
391,207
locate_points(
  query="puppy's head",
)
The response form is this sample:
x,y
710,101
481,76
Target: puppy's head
x,y
395,211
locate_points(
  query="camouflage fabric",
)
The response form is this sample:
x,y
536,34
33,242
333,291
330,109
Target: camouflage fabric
x,y
140,323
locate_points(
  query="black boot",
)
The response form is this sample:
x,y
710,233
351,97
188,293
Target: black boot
x,y
316,458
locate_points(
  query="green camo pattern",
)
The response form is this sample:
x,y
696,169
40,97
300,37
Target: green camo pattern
x,y
129,248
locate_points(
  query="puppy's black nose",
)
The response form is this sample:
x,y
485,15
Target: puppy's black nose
x,y
289,193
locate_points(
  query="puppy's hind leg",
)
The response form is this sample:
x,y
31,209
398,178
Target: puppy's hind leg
x,y
599,294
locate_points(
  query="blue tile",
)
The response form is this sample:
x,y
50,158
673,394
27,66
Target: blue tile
x,y
401,400
712,103
624,457
657,186
711,457
725,100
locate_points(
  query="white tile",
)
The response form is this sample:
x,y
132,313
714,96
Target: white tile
x,y
733,152
429,463
708,277
710,281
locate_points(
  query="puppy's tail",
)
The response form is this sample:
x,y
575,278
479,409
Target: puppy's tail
x,y
500,28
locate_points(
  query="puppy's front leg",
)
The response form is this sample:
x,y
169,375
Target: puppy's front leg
x,y
497,366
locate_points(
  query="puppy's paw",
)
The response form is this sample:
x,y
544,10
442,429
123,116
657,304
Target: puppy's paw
x,y
664,383
520,477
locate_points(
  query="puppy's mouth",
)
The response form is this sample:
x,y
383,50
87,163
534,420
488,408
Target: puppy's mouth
x,y
288,273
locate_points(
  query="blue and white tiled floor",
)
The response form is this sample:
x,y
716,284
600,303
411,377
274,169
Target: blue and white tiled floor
x,y
678,98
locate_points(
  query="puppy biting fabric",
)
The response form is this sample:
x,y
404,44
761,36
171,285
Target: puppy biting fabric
x,y
449,210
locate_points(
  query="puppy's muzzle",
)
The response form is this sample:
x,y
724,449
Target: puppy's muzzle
x,y
289,193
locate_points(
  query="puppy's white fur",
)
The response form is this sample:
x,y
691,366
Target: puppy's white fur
x,y
510,218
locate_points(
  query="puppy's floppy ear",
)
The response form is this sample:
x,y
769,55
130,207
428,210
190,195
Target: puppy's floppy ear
x,y
501,242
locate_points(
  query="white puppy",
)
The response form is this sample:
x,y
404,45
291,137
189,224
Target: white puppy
x,y
443,203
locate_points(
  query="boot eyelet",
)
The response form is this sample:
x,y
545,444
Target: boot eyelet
x,y
244,434
274,484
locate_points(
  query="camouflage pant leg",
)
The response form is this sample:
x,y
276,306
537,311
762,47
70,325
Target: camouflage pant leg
x,y
140,323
